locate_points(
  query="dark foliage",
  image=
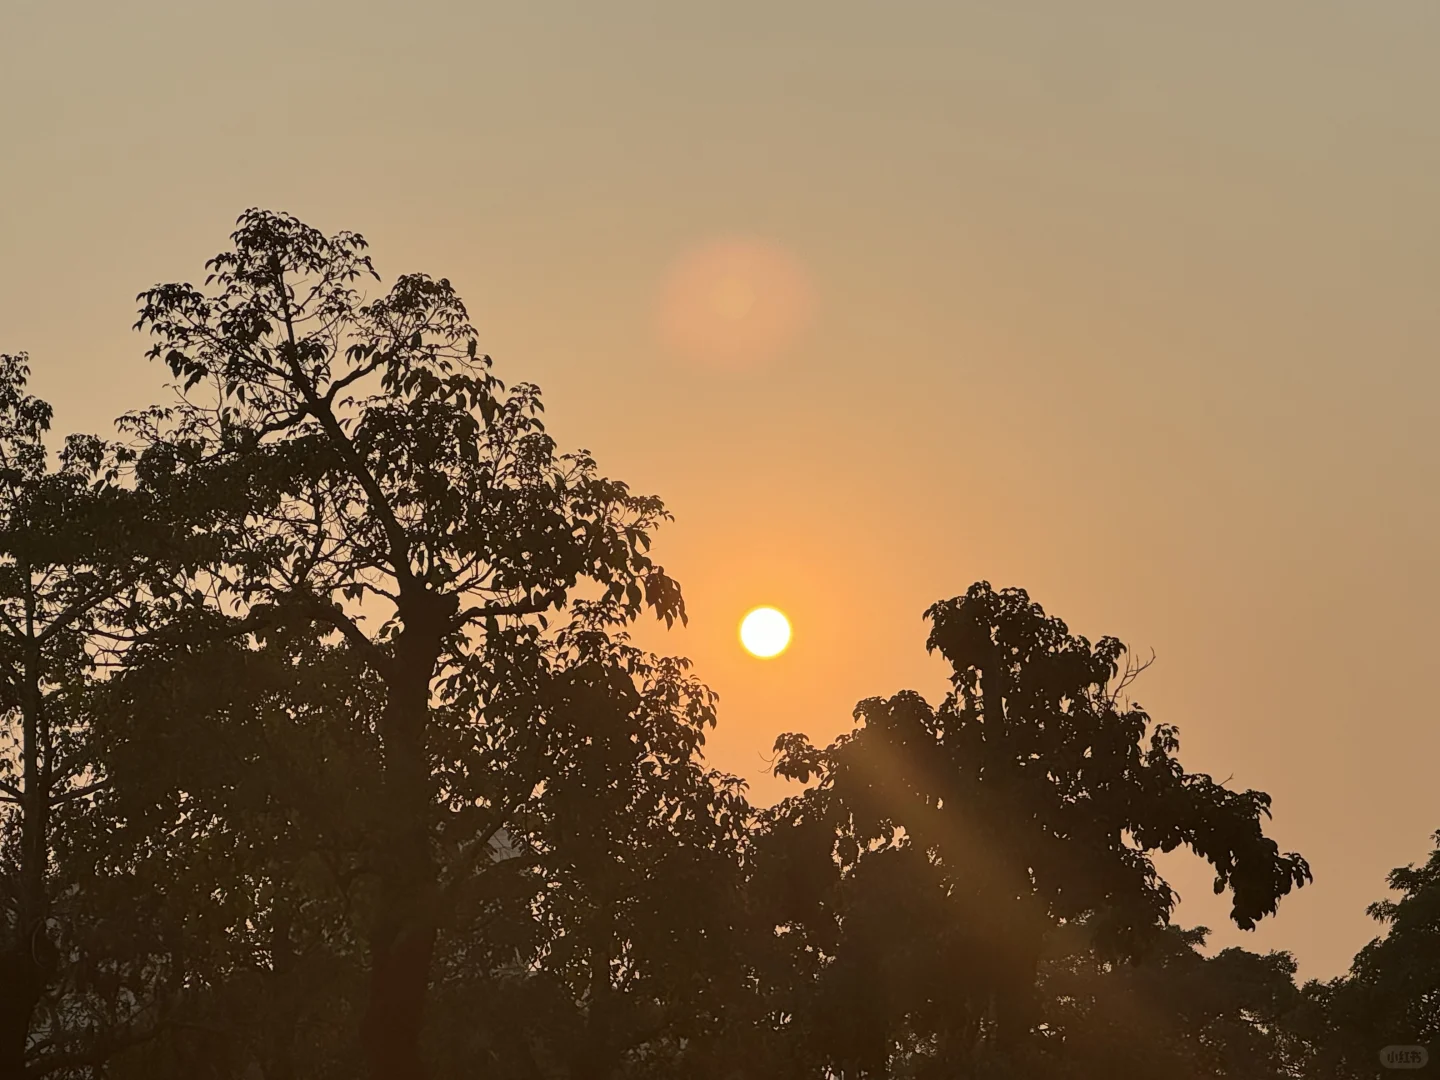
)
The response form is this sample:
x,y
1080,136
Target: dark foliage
x,y
1018,815
325,753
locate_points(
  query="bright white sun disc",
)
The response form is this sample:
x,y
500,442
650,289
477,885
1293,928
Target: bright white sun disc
x,y
765,632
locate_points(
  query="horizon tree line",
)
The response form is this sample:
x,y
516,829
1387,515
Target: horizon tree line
x,y
325,752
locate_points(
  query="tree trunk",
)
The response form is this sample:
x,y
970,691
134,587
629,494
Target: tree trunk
x,y
23,970
21,982
285,996
593,1056
402,939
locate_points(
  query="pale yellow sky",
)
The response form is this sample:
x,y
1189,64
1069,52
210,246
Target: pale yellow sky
x,y
1132,304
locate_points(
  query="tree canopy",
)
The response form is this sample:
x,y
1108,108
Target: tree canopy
x,y
326,751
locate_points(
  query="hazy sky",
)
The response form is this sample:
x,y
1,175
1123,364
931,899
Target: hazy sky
x,y
1131,304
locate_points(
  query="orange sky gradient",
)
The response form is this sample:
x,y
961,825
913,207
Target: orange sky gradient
x,y
1132,305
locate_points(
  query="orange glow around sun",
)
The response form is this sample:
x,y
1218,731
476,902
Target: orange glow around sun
x,y
734,303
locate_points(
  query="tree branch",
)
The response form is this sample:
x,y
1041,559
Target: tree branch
x,y
531,606
94,1055
79,793
320,408
354,377
467,857
281,424
77,609
331,614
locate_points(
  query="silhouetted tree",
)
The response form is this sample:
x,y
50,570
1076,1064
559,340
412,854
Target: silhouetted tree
x,y
1168,1011
400,496
632,847
244,773
320,717
1026,804
1391,995
74,547
603,926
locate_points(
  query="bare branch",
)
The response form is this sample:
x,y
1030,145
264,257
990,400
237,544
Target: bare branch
x,y
354,377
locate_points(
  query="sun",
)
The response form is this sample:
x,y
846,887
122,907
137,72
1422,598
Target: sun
x,y
765,632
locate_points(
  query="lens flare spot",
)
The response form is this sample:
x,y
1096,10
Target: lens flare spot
x,y
734,304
